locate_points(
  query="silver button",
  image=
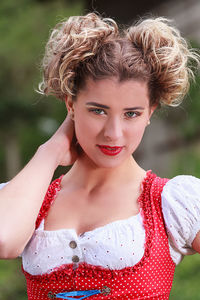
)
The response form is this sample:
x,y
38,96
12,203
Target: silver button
x,y
51,295
73,244
105,290
75,259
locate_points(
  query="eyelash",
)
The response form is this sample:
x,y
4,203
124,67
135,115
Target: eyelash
x,y
94,110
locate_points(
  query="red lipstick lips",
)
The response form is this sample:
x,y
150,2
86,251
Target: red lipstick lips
x,y
110,150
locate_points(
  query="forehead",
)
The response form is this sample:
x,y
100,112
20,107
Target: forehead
x,y
111,91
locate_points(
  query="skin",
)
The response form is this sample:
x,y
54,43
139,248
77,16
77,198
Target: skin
x,y
18,224
111,126
196,243
94,174
98,189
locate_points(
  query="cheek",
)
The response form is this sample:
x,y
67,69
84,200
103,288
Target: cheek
x,y
86,129
139,129
136,133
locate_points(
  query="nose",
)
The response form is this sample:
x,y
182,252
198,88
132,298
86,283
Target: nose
x,y
113,130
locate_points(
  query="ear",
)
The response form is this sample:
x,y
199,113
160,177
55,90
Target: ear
x,y
152,109
69,104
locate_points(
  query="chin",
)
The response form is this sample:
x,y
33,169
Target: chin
x,y
99,160
107,162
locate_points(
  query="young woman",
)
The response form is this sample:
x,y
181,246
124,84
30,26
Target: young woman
x,y
107,229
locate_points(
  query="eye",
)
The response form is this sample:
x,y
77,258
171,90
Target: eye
x,y
97,111
132,114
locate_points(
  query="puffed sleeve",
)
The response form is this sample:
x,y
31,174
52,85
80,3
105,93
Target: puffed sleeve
x,y
181,211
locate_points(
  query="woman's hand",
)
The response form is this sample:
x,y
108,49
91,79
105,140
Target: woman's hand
x,y
63,143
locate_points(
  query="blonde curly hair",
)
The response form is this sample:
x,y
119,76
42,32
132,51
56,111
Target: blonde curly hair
x,y
151,50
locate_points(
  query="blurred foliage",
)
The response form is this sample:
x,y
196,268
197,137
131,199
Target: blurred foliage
x,y
24,28
25,115
185,121
186,279
185,117
12,280
187,161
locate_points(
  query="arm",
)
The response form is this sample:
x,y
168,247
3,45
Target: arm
x,y
196,243
21,198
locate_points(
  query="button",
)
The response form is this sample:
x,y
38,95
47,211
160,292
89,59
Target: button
x,y
51,295
73,244
105,290
75,259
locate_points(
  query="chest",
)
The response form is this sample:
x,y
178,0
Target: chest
x,y
76,209
120,244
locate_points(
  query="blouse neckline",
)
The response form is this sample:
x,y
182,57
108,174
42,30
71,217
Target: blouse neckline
x,y
84,269
122,222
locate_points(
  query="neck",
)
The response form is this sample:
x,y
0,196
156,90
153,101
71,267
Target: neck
x,y
85,174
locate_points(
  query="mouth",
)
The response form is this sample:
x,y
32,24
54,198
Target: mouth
x,y
108,150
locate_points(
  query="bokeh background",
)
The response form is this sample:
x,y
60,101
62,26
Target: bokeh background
x,y
171,144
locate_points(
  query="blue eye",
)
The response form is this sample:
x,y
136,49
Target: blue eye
x,y
131,114
97,111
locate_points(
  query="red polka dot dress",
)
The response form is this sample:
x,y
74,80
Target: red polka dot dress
x,y
150,278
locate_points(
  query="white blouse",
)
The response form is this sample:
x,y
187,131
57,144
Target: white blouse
x,y
120,243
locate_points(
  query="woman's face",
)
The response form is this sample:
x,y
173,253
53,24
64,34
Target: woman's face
x,y
110,114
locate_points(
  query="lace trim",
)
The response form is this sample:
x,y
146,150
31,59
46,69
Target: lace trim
x,y
147,216
51,193
84,269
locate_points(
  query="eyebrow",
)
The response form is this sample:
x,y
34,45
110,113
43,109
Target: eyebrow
x,y
107,107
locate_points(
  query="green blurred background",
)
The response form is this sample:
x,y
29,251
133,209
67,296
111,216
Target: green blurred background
x,y
28,119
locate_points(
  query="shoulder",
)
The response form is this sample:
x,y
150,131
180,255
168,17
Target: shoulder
x,y
187,182
182,190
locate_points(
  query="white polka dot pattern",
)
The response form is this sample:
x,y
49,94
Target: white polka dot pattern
x,y
150,278
180,194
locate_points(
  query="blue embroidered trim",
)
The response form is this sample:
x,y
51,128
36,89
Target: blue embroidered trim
x,y
85,294
69,295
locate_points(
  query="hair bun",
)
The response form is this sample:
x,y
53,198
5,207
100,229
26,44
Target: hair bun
x,y
168,55
70,43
